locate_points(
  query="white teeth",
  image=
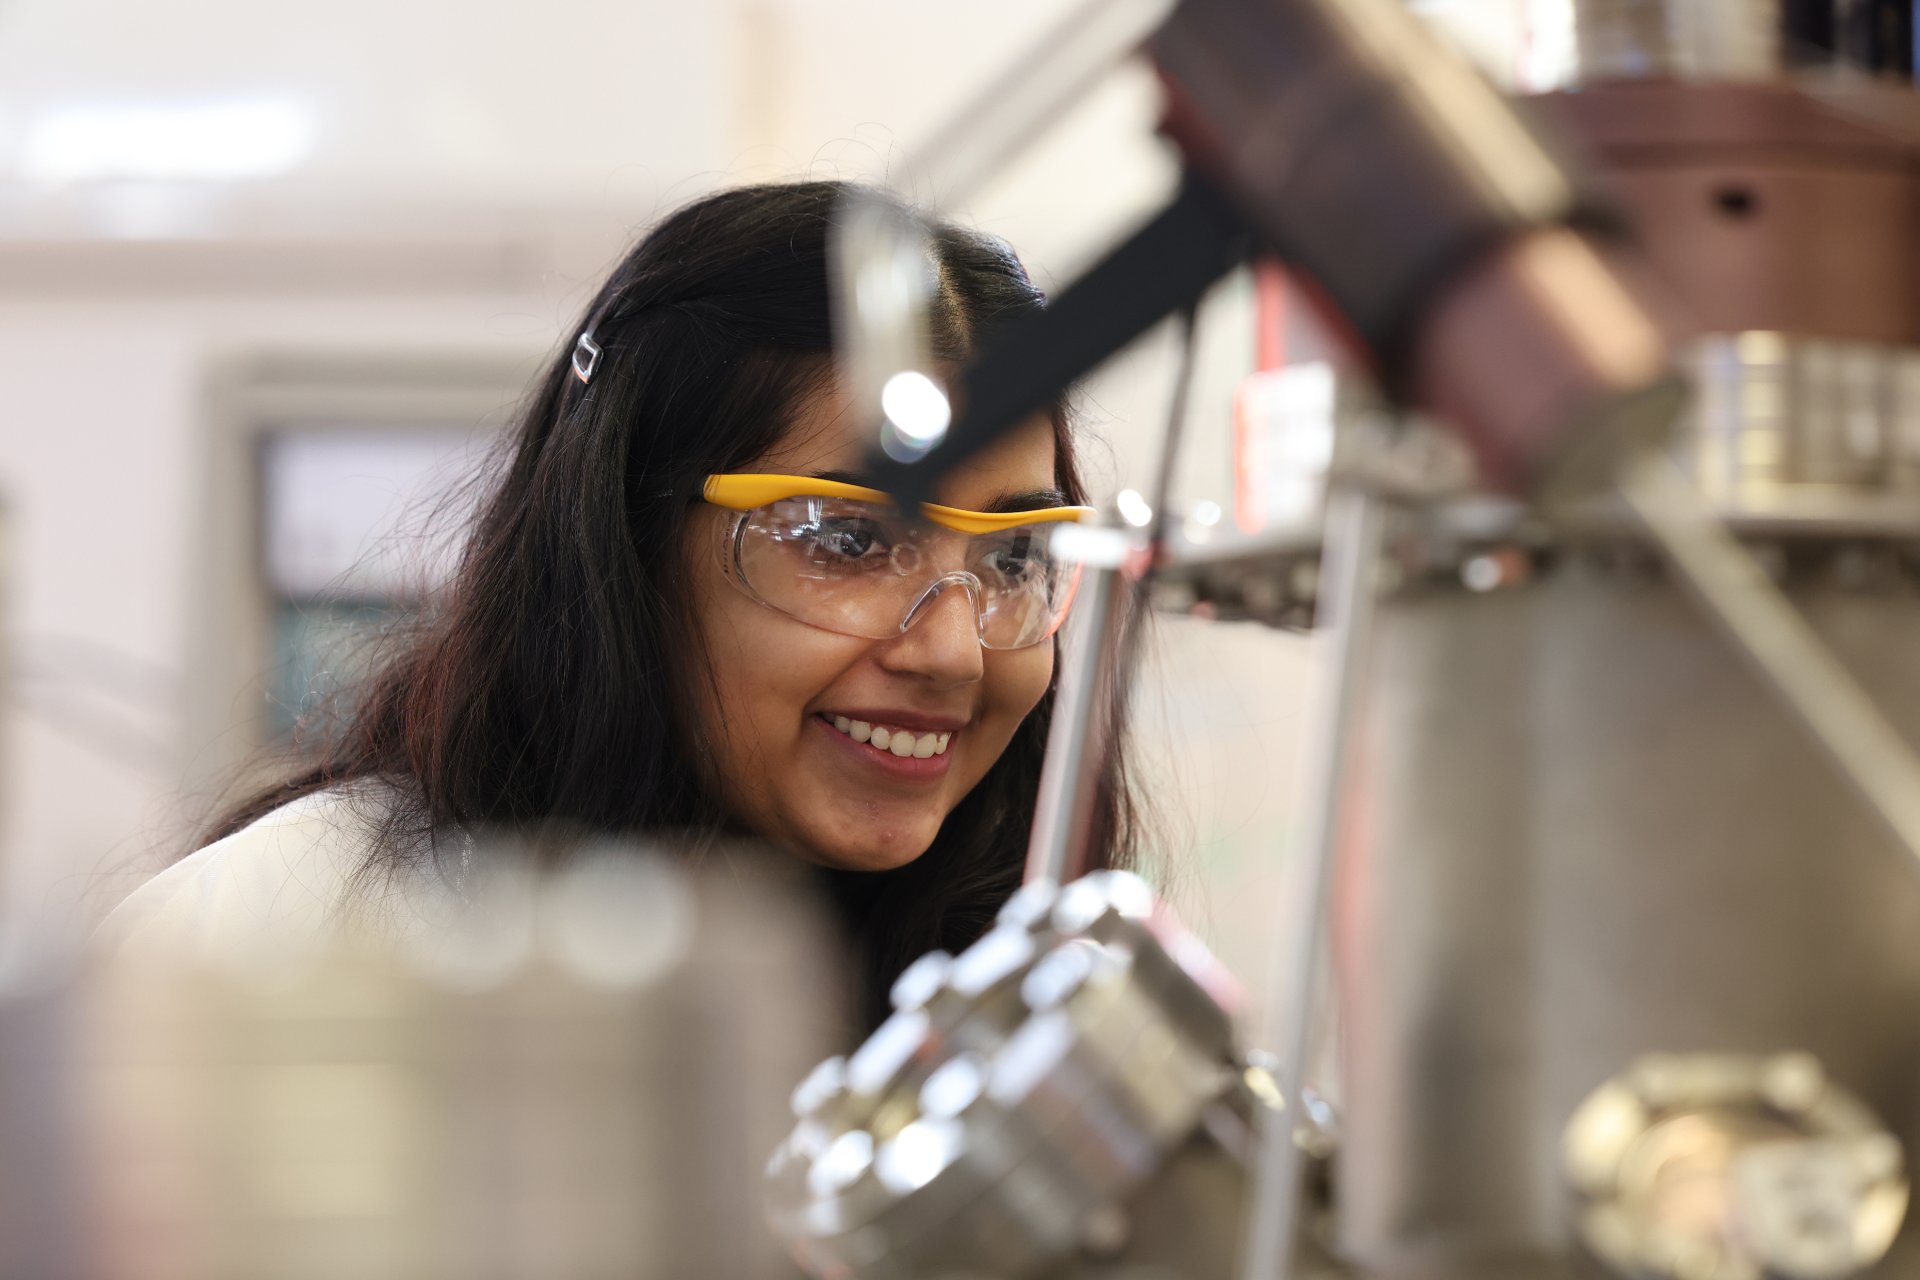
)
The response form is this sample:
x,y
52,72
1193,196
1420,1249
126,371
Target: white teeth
x,y
900,742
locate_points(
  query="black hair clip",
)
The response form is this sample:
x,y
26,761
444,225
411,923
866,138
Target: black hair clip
x,y
586,356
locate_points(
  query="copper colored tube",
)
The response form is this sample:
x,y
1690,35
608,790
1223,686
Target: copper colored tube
x,y
1474,261
1551,358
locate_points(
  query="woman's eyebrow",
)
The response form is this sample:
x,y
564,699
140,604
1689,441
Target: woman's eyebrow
x,y
1030,500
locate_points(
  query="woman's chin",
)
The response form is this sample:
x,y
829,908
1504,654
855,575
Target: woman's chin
x,y
886,853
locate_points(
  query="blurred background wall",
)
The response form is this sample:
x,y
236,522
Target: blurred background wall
x,y
268,273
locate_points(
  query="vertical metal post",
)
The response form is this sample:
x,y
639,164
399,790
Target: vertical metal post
x,y
1353,525
1091,693
1077,741
10,879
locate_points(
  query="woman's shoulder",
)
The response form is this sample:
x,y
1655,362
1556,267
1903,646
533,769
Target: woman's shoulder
x,y
295,875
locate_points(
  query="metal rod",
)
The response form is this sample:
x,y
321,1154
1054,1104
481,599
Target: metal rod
x,y
1157,523
1781,648
1090,705
1076,740
1159,513
1353,533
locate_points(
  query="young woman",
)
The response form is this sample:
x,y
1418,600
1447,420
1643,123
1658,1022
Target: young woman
x,y
678,612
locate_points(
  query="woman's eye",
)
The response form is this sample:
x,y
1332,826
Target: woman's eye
x,y
1016,559
847,540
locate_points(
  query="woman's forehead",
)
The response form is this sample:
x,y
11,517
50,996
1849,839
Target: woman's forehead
x,y
826,436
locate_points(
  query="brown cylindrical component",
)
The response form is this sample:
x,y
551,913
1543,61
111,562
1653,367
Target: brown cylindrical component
x,y
1766,206
1436,220
1551,357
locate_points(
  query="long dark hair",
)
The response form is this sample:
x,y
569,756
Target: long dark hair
x,y
537,690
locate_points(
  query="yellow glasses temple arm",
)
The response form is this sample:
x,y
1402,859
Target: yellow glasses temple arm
x,y
745,491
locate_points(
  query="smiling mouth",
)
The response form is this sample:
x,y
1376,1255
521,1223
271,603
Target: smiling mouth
x,y
900,742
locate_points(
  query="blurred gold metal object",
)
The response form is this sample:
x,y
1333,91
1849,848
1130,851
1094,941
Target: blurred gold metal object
x,y
1697,1165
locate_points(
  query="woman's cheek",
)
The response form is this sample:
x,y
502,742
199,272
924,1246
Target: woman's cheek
x,y
1018,681
1036,675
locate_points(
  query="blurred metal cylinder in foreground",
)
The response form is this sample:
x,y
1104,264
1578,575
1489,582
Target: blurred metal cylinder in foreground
x,y
1589,835
1063,1099
574,1078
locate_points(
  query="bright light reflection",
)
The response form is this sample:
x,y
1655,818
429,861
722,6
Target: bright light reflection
x,y
916,405
822,1083
841,1164
1058,974
1089,897
998,955
918,981
952,1088
917,1154
1039,1046
203,142
887,1050
1133,508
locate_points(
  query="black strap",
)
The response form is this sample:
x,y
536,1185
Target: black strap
x,y
1164,266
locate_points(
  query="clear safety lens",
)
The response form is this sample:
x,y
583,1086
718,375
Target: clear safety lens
x,y
860,569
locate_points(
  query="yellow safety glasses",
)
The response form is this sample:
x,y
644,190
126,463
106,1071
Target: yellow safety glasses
x,y
843,558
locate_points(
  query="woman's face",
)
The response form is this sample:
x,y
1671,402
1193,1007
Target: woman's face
x,y
786,772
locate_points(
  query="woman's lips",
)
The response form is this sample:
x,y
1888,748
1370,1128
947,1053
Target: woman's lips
x,y
912,766
897,718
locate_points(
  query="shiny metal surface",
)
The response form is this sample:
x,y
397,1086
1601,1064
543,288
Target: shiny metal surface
x,y
1730,1165
1690,39
1102,651
1038,1105
1273,577
1790,427
1354,525
1076,748
1867,753
1788,439
1589,835
1570,775
1783,434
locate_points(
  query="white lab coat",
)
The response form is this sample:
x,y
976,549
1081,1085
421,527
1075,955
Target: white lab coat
x,y
291,880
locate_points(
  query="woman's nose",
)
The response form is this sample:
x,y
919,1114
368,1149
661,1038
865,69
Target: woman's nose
x,y
942,639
